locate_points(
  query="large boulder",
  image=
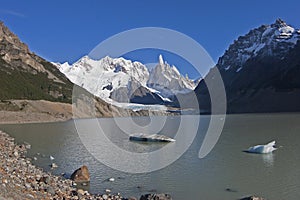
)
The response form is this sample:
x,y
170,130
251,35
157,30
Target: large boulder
x,y
156,197
81,175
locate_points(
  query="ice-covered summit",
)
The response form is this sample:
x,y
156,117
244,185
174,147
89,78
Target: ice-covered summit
x,y
167,79
102,77
267,40
123,80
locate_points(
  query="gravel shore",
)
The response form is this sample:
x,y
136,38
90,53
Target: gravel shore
x,y
33,111
20,179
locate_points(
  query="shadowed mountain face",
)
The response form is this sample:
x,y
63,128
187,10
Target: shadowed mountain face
x,y
260,71
24,75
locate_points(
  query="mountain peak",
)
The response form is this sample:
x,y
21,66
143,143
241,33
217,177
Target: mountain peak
x,y
268,40
161,60
167,79
17,53
8,37
280,23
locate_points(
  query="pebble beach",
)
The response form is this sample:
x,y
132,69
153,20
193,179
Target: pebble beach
x,y
20,179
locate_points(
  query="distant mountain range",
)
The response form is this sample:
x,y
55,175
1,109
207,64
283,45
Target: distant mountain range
x,y
125,81
260,71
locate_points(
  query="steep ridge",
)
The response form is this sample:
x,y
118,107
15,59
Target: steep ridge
x,y
260,71
24,75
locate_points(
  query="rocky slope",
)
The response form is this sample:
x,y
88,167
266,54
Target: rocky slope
x,y
260,71
24,75
31,111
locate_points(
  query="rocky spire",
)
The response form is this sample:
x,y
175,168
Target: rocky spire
x,y
161,60
279,23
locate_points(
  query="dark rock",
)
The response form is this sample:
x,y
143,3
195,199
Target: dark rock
x,y
143,95
53,165
108,87
81,175
45,179
230,190
74,193
156,197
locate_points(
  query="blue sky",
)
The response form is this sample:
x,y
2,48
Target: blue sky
x,y
66,30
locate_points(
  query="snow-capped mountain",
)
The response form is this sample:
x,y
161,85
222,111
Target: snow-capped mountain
x,y
122,80
168,81
260,71
267,40
107,77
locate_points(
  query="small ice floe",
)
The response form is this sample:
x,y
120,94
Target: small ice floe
x,y
262,149
111,179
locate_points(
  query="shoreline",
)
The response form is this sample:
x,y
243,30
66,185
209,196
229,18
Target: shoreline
x,y
34,111
20,179
11,117
42,111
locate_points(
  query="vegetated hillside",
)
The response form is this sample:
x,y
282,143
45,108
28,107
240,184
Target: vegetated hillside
x,y
24,75
25,85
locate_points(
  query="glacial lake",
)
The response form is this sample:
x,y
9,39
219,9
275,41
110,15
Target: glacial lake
x,y
225,173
